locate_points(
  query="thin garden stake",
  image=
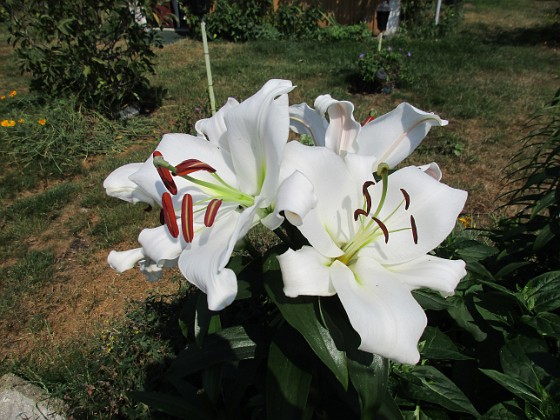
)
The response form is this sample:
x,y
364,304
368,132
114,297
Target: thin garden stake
x,y
208,69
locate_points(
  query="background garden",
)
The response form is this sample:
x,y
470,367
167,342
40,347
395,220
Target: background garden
x,y
90,336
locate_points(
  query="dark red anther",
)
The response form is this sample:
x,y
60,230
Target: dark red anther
x,y
169,214
365,187
211,212
369,118
406,199
383,228
192,165
187,220
414,230
166,176
358,213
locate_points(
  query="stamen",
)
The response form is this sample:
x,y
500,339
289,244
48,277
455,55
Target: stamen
x,y
165,175
365,187
192,165
358,213
169,214
383,228
161,218
211,212
187,220
414,230
406,199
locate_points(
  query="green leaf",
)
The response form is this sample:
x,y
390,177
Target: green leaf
x,y
205,321
543,238
426,383
510,268
429,299
369,375
506,410
461,314
301,314
436,345
288,382
546,323
542,293
192,408
475,251
230,344
514,385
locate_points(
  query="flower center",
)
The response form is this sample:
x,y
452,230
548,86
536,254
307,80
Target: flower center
x,y
372,227
218,191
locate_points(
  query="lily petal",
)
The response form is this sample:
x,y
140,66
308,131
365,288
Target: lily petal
x,y
125,260
214,128
295,198
394,136
433,170
159,245
434,206
306,120
118,185
431,272
381,309
343,129
305,272
258,130
203,263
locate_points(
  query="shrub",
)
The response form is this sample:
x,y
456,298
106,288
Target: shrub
x,y
95,50
380,71
418,18
337,32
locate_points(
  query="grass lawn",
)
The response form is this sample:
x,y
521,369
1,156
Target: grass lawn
x,y
70,323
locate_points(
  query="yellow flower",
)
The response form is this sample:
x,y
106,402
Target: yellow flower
x,y
21,121
466,221
13,93
42,121
8,123
2,97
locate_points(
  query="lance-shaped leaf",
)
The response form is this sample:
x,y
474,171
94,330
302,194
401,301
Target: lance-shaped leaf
x,y
301,314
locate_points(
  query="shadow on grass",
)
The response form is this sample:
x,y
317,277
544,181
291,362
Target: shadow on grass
x,y
547,35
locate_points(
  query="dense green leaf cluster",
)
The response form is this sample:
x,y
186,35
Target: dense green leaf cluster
x,y
94,50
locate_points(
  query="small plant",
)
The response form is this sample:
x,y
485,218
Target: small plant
x,y
101,54
381,71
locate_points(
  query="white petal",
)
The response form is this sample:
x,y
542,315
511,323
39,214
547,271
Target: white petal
x,y
338,196
159,245
431,272
118,185
295,198
257,131
433,170
203,263
306,120
125,260
343,128
305,272
214,128
394,136
381,309
434,206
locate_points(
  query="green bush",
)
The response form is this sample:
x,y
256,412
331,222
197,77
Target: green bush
x,y
337,32
95,50
418,18
381,71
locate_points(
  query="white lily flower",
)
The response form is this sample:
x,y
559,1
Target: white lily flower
x,y
214,187
389,138
370,242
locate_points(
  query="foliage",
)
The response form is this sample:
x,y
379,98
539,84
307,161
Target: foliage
x,y
53,137
337,32
255,20
380,71
95,50
418,18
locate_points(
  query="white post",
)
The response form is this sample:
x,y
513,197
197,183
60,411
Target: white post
x,y
438,7
208,69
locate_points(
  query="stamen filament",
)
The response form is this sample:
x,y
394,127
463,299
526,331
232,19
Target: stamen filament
x,y
169,214
187,219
